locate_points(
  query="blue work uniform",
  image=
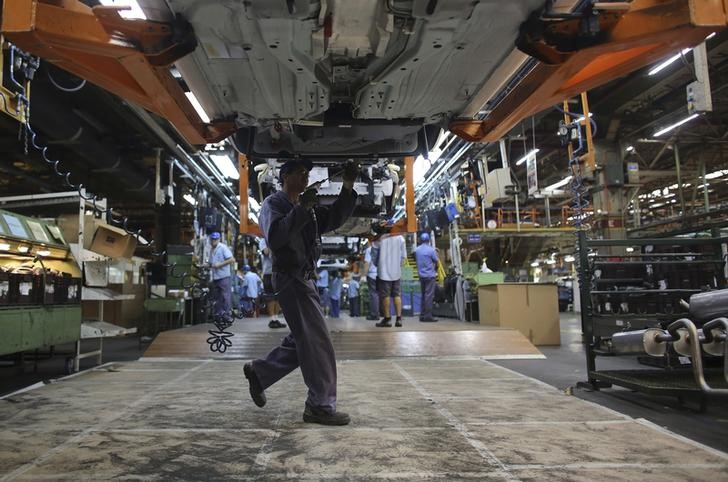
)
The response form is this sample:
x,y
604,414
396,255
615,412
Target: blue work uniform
x,y
221,280
353,297
293,235
426,258
335,296
372,283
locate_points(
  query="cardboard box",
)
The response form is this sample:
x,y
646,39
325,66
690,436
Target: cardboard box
x,y
113,242
531,308
68,224
98,236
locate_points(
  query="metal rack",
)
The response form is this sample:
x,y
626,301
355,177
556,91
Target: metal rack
x,y
89,329
648,289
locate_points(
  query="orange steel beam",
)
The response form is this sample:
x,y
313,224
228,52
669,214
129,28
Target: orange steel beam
x,y
129,58
246,225
590,156
410,215
647,32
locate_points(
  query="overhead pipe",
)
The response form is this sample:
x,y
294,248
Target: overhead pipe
x,y
186,160
57,121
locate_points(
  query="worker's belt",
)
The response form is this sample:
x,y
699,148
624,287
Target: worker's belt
x,y
296,272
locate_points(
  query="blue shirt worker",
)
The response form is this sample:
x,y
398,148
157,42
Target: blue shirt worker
x,y
354,296
292,224
371,269
253,283
426,258
322,285
221,261
335,294
252,288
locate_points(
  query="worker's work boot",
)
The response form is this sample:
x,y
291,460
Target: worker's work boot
x,y
256,391
398,323
385,323
313,415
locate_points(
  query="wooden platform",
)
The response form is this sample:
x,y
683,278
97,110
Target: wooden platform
x,y
254,339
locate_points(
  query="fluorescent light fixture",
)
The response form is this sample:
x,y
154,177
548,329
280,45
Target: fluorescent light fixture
x,y
23,249
4,247
534,264
198,107
672,59
226,165
629,249
253,203
523,159
569,258
420,168
134,11
716,174
629,148
43,252
657,205
557,185
674,126
667,62
190,199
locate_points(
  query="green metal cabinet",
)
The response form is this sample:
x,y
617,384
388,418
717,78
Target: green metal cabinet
x,y
34,327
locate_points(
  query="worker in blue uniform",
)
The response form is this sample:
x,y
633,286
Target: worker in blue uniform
x,y
292,224
426,258
221,261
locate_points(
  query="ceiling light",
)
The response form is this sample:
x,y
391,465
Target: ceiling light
x,y
43,252
23,249
675,125
629,148
629,249
550,261
672,59
4,247
523,159
667,62
557,185
569,258
253,203
190,199
534,264
133,12
715,174
198,107
226,165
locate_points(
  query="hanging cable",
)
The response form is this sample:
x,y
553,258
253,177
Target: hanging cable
x,y
220,339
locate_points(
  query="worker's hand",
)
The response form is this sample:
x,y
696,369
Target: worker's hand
x,y
309,199
351,172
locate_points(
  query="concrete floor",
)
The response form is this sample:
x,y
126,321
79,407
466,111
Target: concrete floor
x,y
414,418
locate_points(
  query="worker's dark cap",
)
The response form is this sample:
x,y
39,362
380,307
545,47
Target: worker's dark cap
x,y
290,166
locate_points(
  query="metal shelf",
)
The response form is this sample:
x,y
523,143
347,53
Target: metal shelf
x,y
641,263
643,292
103,294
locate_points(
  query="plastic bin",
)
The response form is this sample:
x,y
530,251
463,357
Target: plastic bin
x,y
22,289
67,289
4,288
